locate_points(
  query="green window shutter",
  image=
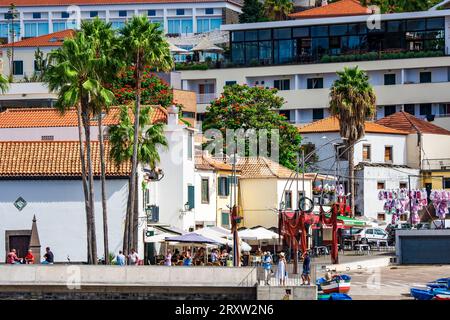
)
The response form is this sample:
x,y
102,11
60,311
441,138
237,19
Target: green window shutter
x,y
225,219
191,197
227,186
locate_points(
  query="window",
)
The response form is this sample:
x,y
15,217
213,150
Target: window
x,y
93,14
205,190
209,11
425,109
317,114
230,83
123,13
403,185
64,15
36,15
315,83
205,25
381,216
180,12
47,138
18,68
446,183
409,108
191,197
425,77
380,185
369,231
34,29
225,219
366,152
189,146
388,154
389,79
388,110
180,26
288,199
151,13
341,151
224,187
300,32
284,84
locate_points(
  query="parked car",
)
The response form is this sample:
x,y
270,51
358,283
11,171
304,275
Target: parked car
x,y
423,226
370,235
390,229
349,233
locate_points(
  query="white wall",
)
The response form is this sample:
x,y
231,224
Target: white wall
x,y
60,213
366,184
205,212
36,134
25,54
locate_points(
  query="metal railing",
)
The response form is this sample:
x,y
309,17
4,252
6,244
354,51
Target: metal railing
x,y
436,164
205,97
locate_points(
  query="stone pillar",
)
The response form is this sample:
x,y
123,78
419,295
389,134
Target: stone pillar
x,y
35,244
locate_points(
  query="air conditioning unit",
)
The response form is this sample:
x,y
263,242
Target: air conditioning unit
x,y
152,212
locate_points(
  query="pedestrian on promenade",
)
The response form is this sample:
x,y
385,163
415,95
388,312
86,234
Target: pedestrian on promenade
x,y
168,258
281,270
306,269
187,259
12,257
214,256
120,259
48,256
133,258
267,265
29,258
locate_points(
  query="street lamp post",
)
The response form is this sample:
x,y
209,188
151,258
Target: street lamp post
x,y
12,14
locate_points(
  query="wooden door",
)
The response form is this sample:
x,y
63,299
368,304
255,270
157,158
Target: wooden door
x,y
20,243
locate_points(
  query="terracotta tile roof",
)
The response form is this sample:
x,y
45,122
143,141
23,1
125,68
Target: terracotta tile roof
x,y
22,3
203,162
57,159
49,40
186,98
409,123
261,167
331,124
335,9
50,117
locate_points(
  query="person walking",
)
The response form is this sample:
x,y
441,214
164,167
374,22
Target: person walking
x,y
281,270
133,258
306,269
267,265
187,259
120,259
168,258
48,256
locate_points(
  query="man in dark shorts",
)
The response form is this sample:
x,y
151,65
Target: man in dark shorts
x,y
48,256
306,269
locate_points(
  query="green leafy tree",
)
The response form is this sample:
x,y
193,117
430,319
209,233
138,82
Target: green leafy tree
x,y
392,6
4,84
105,45
352,101
74,75
252,11
244,107
144,45
278,9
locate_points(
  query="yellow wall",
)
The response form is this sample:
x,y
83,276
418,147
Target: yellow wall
x,y
435,178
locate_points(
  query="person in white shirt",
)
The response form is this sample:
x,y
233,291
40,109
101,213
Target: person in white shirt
x,y
133,258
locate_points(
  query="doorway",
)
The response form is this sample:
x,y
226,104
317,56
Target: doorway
x,y
19,240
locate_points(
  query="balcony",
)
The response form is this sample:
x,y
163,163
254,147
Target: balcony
x,y
206,98
436,164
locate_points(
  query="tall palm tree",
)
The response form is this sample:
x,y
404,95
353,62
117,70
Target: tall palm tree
x,y
72,73
352,101
4,84
278,9
144,44
105,46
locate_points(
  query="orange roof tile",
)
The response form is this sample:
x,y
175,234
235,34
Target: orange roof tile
x,y
49,40
409,123
187,98
331,124
57,159
50,117
261,167
335,9
22,3
203,162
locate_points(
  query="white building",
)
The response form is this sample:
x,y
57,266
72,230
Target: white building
x,y
37,17
300,58
382,156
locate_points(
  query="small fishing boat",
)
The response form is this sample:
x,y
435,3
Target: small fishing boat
x,y
442,283
422,294
441,294
338,284
340,296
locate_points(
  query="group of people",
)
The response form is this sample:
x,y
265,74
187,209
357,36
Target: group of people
x,y
132,259
199,257
281,273
12,257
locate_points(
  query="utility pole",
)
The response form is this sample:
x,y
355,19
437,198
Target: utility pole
x,y
12,14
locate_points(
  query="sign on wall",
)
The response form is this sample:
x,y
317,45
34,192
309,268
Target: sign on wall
x,y
20,203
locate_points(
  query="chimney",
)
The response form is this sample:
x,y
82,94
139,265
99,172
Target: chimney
x,y
324,3
172,115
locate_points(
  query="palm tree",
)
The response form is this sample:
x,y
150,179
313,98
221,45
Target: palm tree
x,y
72,73
4,84
278,9
104,41
150,138
144,44
352,101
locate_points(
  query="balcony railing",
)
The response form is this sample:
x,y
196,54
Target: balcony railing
x,y
436,164
206,97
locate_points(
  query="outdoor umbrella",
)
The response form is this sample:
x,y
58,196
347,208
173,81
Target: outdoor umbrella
x,y
192,237
177,50
206,45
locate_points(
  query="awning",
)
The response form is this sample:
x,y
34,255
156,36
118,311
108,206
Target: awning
x,y
351,221
191,238
158,238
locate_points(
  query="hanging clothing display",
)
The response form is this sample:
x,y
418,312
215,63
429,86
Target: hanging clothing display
x,y
440,200
401,201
